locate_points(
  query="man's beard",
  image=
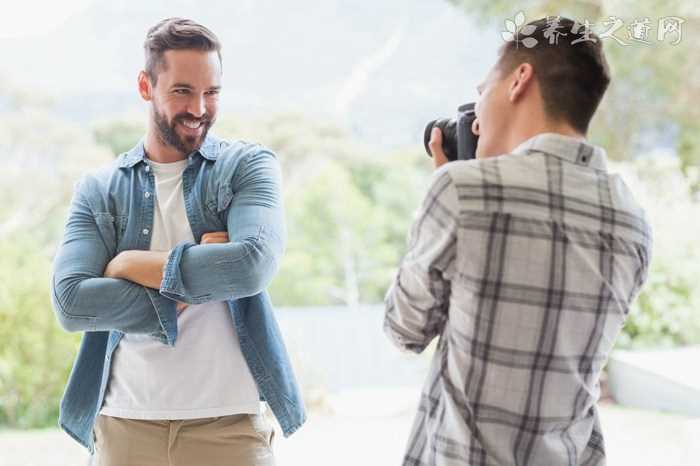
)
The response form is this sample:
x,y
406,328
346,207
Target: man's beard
x,y
167,131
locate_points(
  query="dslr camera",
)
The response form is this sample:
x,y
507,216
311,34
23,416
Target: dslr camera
x,y
458,141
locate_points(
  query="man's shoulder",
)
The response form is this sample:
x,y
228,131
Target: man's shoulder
x,y
97,180
493,170
494,185
461,171
236,156
231,150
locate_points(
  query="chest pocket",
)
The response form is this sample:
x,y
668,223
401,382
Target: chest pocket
x,y
112,228
225,195
218,204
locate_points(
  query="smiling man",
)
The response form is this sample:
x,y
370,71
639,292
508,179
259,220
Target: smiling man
x,y
164,264
524,262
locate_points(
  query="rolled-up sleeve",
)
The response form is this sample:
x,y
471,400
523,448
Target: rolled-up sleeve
x,y
84,300
418,299
245,265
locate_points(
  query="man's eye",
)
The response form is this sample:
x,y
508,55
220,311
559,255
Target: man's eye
x,y
181,91
212,92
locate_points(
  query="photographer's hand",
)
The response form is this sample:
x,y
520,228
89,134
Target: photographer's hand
x,y
435,144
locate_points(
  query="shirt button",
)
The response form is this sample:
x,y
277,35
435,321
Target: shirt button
x,y
147,194
148,168
145,231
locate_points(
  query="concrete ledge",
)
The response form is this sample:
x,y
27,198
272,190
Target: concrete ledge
x,y
663,380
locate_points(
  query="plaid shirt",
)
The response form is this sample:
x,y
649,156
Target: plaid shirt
x,y
525,266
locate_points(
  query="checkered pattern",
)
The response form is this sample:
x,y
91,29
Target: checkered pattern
x,y
525,266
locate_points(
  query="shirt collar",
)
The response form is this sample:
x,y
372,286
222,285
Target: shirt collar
x,y
577,151
209,150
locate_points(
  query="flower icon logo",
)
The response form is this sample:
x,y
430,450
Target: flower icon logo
x,y
511,33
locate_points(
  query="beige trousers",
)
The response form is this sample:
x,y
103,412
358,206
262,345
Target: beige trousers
x,y
237,440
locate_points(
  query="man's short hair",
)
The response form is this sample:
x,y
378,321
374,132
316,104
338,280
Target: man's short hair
x,y
572,77
176,34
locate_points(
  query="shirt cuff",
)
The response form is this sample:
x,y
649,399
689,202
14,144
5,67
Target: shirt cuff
x,y
167,316
172,286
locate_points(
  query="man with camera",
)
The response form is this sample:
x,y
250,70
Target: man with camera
x,y
523,261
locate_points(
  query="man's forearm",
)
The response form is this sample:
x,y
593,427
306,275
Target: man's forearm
x,y
142,267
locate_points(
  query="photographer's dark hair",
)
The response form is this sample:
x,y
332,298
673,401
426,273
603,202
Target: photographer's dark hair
x,y
176,34
572,77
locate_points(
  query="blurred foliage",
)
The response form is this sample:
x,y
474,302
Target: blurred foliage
x,y
44,156
667,311
36,353
119,135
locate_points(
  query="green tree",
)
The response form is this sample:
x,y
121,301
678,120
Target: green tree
x,y
43,157
119,135
667,311
36,354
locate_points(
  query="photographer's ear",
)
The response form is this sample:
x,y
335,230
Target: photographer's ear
x,y
475,127
521,78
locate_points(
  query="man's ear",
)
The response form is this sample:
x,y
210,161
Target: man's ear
x,y
521,79
145,87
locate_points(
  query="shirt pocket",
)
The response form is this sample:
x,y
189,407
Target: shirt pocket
x,y
120,224
224,196
218,202
112,229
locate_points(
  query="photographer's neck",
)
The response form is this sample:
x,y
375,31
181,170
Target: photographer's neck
x,y
531,127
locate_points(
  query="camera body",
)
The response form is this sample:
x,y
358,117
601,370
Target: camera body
x,y
458,141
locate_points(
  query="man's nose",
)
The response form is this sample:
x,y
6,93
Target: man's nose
x,y
197,107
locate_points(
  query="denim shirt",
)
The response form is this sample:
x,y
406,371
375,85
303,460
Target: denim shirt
x,y
228,186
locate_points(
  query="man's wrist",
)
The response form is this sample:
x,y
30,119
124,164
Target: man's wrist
x,y
142,267
116,268
125,261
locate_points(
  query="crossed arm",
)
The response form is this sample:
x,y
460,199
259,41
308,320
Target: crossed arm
x,y
95,289
146,267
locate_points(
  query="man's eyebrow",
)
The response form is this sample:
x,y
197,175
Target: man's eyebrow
x,y
187,86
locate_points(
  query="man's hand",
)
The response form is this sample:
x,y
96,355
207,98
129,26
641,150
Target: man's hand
x,y
214,237
435,144
179,307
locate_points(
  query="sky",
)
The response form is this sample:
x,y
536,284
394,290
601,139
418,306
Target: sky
x,y
32,18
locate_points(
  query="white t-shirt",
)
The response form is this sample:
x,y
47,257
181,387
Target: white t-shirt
x,y
204,374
